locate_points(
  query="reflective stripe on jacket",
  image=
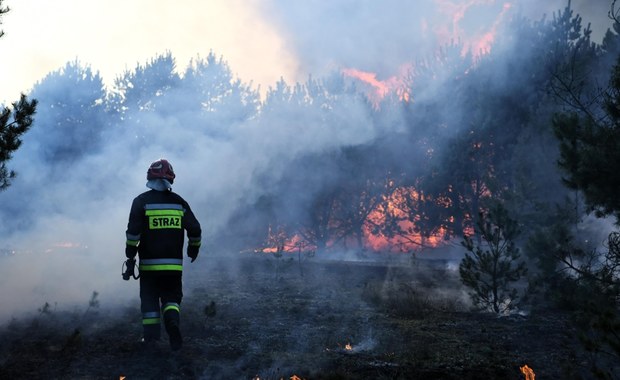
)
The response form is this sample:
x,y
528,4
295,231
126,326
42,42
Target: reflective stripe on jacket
x,y
156,230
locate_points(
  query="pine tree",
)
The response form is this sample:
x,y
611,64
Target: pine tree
x,y
2,11
589,130
14,121
589,138
492,266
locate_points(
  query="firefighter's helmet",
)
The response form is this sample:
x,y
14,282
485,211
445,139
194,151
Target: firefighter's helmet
x,y
160,169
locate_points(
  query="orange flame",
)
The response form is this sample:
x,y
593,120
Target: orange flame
x,y
278,242
477,44
483,44
395,207
380,88
288,245
397,212
528,372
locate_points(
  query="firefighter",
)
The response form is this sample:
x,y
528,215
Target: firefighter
x,y
155,233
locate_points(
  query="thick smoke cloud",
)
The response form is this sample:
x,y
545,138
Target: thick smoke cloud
x,y
66,219
382,36
66,216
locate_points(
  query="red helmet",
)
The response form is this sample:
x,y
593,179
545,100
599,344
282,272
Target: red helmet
x,y
160,169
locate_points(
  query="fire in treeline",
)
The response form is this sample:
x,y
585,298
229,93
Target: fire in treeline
x,y
324,164
394,222
451,134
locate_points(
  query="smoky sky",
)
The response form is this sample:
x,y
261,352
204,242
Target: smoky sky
x,y
381,36
67,219
353,33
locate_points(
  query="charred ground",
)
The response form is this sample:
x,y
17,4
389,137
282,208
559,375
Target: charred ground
x,y
261,317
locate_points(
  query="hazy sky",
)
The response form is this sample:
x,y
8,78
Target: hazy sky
x,y
262,40
114,35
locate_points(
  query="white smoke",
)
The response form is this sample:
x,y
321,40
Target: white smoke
x,y
381,36
86,203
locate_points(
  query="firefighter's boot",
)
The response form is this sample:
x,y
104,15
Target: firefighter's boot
x,y
172,322
174,334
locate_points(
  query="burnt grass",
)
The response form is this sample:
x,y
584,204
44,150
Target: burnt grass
x,y
256,316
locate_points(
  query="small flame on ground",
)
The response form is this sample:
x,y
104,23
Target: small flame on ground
x,y
348,347
528,372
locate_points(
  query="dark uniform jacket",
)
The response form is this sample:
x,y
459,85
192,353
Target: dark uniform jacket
x,y
155,231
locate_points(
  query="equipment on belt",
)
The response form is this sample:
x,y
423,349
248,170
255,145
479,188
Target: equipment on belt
x,y
128,270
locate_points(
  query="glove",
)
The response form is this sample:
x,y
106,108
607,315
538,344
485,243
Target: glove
x,y
192,252
130,264
131,251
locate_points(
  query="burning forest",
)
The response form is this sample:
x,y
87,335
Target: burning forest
x,y
445,211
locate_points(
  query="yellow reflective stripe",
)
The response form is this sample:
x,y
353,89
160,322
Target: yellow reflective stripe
x,y
151,321
172,307
194,243
156,267
165,212
161,261
133,243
